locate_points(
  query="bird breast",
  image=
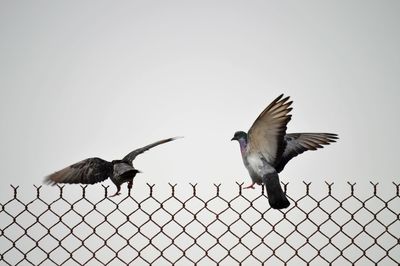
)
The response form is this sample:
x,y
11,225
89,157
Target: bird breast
x,y
254,163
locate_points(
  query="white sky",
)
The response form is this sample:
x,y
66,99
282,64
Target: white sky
x,y
82,79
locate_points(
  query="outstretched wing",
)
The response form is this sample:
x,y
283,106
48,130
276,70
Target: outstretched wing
x,y
297,143
132,155
267,132
88,171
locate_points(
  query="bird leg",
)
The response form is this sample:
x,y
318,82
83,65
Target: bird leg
x,y
250,186
130,183
118,191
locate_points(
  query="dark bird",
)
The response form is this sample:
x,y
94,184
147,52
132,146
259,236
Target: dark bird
x,y
94,170
266,148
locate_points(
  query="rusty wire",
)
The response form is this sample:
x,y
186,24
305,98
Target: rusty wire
x,y
216,230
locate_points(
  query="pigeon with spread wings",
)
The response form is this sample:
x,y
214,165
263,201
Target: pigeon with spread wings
x,y
266,148
94,170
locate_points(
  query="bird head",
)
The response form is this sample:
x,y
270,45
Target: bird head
x,y
239,135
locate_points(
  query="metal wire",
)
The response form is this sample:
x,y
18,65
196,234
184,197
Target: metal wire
x,y
217,230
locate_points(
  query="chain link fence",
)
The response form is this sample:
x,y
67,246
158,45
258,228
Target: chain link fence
x,y
239,228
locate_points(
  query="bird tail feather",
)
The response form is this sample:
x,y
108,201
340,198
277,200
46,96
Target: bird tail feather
x,y
276,197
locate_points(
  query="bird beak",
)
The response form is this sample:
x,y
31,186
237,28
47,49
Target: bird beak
x,y
233,138
138,171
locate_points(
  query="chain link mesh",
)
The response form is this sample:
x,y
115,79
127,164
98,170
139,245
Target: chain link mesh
x,y
217,230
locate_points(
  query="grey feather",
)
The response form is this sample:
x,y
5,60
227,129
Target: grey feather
x,y
297,143
266,135
132,155
266,148
88,171
276,197
94,170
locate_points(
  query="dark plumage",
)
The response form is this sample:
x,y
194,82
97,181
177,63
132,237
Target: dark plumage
x,y
266,148
94,170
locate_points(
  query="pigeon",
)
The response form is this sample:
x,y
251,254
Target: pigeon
x,y
94,170
266,148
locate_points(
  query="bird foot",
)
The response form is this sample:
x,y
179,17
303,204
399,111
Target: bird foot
x,y
251,186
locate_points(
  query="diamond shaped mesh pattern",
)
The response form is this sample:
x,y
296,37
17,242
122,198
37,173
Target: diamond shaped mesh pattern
x,y
218,230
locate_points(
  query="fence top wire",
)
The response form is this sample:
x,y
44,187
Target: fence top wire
x,y
217,188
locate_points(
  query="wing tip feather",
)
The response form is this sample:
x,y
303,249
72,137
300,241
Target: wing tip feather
x,y
49,181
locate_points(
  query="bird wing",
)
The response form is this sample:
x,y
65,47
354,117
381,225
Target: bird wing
x,y
132,155
267,132
88,171
297,143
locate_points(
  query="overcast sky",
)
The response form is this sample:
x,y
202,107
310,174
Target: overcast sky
x,y
97,78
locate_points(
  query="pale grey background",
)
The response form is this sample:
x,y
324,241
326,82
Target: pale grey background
x,y
100,78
